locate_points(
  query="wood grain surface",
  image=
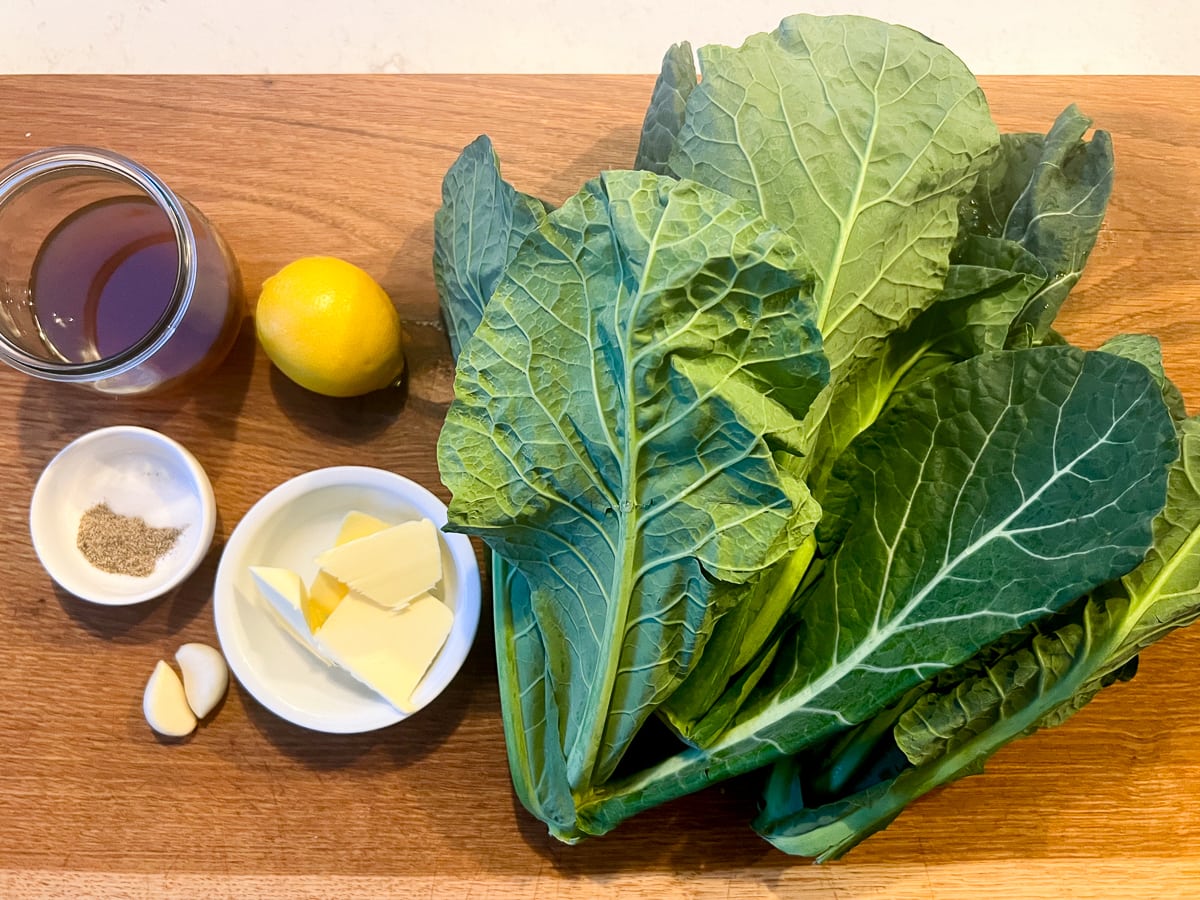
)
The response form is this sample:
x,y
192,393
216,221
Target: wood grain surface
x,y
91,804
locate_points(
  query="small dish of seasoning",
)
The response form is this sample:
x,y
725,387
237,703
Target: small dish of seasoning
x,y
122,515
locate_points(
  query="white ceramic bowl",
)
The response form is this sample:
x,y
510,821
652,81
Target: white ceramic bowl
x,y
288,528
138,472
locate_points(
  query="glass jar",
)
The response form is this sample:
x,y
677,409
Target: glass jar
x,y
107,278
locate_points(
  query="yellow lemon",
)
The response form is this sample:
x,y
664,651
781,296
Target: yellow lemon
x,y
330,327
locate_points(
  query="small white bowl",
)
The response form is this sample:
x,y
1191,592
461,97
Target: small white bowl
x,y
137,472
288,528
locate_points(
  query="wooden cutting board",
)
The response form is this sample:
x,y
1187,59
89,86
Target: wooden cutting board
x,y
92,804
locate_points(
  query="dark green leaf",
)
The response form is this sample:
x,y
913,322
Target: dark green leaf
x,y
665,115
1049,195
1036,682
1147,350
968,526
477,230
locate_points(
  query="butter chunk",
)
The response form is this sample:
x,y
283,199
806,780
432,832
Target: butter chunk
x,y
358,525
326,592
389,567
387,650
284,592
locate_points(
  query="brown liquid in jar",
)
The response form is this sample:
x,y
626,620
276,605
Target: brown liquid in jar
x,y
106,276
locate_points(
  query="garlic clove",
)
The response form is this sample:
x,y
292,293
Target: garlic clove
x,y
165,705
205,676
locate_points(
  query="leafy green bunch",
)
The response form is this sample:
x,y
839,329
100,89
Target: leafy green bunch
x,y
774,443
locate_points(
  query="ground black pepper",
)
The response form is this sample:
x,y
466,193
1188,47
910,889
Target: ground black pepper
x,y
122,545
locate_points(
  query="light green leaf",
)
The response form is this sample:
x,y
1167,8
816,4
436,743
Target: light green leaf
x,y
857,138
1164,591
614,432
477,230
989,282
708,699
941,722
1025,233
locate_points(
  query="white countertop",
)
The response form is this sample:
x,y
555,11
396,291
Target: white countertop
x,y
279,36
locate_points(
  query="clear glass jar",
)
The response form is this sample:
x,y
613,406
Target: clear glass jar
x,y
108,279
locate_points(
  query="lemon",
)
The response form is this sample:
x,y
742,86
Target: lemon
x,y
330,327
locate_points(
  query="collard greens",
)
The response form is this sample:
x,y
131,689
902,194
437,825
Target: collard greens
x,y
863,159
614,434
949,728
988,496
772,438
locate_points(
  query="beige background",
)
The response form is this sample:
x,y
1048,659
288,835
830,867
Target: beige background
x,y
614,36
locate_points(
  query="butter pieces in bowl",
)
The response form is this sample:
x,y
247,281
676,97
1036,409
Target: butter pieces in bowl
x,y
341,605
369,609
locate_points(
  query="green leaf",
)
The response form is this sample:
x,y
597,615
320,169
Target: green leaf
x,y
1049,195
989,282
477,230
1164,591
1037,682
987,496
1147,350
857,138
827,831
707,700
665,115
1001,183
940,723
981,265
614,432
951,735
978,510
531,714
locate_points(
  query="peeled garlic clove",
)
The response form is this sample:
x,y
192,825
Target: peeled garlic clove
x,y
165,705
205,676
